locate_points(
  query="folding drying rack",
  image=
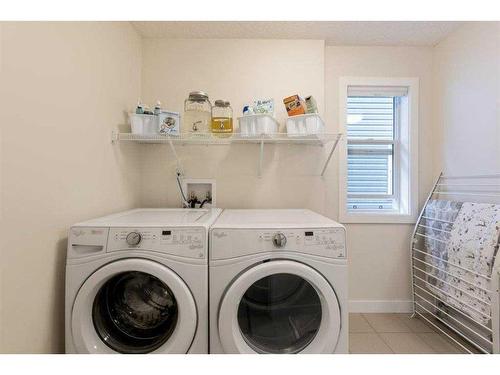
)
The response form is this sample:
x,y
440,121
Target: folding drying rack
x,y
429,302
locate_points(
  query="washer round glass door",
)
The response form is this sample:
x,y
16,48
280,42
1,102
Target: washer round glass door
x,y
279,307
134,306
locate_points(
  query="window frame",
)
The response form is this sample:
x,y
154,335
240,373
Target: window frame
x,y
407,212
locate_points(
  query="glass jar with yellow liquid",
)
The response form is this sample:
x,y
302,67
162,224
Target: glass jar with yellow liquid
x,y
222,119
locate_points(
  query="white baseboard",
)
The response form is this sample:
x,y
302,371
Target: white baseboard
x,y
380,306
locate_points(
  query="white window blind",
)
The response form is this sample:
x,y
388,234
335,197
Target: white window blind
x,y
372,147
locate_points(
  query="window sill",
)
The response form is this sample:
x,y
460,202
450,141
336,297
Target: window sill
x,y
376,218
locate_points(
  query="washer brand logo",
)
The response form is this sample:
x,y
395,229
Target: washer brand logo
x,y
220,234
78,232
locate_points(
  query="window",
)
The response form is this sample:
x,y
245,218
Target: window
x,y
379,152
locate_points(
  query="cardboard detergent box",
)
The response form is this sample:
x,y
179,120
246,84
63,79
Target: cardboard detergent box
x,y
169,123
295,105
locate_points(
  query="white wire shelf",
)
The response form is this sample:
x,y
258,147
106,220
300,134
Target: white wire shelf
x,y
212,139
330,139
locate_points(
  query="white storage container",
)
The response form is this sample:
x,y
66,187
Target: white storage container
x,y
304,125
255,125
143,124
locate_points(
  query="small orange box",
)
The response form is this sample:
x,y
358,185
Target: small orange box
x,y
295,105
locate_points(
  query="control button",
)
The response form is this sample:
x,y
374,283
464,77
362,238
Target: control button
x,y
279,240
134,238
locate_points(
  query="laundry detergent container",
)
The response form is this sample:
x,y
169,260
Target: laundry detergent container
x,y
255,125
304,125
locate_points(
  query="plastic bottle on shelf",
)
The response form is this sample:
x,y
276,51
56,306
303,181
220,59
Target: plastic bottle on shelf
x,y
157,109
140,108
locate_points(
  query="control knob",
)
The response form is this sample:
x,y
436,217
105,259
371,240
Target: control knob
x,y
279,240
134,238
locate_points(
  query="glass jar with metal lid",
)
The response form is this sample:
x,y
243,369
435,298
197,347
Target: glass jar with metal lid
x,y
222,118
197,113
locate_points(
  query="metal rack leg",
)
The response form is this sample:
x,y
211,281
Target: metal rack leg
x,y
412,242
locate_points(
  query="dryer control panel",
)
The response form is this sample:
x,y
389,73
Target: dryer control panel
x,y
185,242
325,242
328,239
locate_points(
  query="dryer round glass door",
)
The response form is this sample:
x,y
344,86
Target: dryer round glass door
x,y
134,312
279,307
134,306
280,313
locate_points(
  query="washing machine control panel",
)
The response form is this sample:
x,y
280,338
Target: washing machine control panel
x,y
185,242
326,242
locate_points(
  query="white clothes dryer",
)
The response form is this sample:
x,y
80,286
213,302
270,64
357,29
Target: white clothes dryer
x,y
137,282
278,283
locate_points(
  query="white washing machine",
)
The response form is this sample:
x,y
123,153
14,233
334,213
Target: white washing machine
x,y
137,282
278,283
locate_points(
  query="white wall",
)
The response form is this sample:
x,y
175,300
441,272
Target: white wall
x,y
247,69
65,86
467,100
379,253
238,71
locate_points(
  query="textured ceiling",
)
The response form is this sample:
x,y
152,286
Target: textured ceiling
x,y
408,33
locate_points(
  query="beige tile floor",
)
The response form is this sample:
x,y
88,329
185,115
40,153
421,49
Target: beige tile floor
x,y
396,333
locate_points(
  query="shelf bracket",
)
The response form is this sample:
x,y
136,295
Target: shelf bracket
x,y
261,158
330,154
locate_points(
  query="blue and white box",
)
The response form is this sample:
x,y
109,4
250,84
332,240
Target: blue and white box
x,y
169,123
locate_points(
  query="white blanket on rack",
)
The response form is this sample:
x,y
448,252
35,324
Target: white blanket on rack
x,y
439,215
473,244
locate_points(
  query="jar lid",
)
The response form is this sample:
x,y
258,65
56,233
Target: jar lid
x,y
198,95
222,103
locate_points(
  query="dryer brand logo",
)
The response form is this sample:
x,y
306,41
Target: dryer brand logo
x,y
220,234
81,232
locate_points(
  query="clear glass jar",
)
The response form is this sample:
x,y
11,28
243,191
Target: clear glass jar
x,y
197,113
222,118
